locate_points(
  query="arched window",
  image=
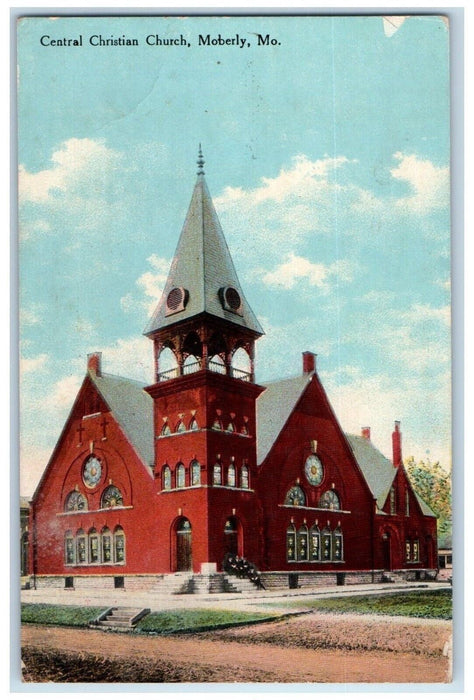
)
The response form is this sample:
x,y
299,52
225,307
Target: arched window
x,y
167,364
93,546
326,545
244,477
330,500
195,472
302,544
180,427
338,550
81,547
217,474
393,501
291,543
166,430
217,425
295,496
166,477
231,475
106,537
230,427
69,554
75,501
244,429
217,364
191,364
111,497
315,543
193,424
180,476
240,365
119,545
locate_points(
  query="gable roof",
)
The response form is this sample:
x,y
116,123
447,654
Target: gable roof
x,y
202,265
378,471
274,407
132,407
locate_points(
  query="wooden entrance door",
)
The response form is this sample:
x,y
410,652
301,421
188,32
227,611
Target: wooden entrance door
x,y
184,553
231,537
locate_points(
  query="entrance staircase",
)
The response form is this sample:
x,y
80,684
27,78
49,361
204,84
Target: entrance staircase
x,y
120,618
187,583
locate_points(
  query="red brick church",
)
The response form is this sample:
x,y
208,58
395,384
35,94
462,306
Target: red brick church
x,y
205,462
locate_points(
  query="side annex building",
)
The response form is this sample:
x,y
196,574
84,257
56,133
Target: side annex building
x,y
165,479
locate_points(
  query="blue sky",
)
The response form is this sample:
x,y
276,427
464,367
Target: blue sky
x,y
327,156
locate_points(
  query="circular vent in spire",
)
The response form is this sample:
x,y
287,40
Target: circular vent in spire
x,y
231,300
176,300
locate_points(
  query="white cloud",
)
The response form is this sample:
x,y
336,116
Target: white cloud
x,y
297,268
150,284
428,183
129,357
33,364
78,162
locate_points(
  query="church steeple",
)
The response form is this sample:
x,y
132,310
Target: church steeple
x,y
202,278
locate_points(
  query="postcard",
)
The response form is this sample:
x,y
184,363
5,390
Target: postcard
x,y
235,350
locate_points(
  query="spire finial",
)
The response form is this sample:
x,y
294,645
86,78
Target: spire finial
x,y
200,162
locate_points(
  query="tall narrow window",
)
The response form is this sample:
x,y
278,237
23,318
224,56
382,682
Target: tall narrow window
x,y
326,542
180,476
337,545
231,475
393,501
217,474
106,545
119,545
93,547
195,472
69,548
407,503
166,476
408,550
81,555
244,477
416,550
291,543
314,543
302,543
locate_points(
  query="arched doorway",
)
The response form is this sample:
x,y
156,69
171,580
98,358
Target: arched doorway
x,y
232,537
184,552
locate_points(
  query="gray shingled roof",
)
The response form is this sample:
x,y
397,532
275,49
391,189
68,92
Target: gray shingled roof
x,y
132,407
202,264
274,407
379,471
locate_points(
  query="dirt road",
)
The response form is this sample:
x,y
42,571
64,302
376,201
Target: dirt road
x,y
315,648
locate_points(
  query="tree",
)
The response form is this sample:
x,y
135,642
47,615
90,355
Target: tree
x,y
433,483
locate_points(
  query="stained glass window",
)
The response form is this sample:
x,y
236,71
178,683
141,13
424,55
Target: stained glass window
x,y
166,430
193,425
314,543
166,478
111,498
291,543
244,477
231,475
81,547
329,500
338,549
416,550
408,550
295,496
180,476
326,545
393,501
217,474
69,548
76,501
119,541
180,428
302,544
195,472
106,545
93,547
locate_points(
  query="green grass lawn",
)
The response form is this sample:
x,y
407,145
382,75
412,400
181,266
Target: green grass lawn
x,y
63,615
171,621
165,622
428,604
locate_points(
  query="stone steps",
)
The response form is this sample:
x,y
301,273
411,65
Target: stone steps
x,y
120,618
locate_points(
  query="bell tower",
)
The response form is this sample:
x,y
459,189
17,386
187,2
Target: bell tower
x,y
204,332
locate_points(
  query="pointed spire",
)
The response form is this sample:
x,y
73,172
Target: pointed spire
x,y
202,277
200,162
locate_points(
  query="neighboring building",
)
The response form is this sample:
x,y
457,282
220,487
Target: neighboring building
x,y
146,481
24,538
